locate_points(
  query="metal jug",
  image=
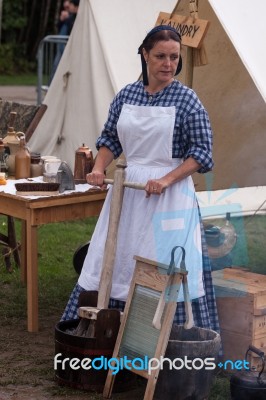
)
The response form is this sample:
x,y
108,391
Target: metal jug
x,y
83,163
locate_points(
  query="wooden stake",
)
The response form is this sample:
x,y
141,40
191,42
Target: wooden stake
x,y
34,123
189,68
199,55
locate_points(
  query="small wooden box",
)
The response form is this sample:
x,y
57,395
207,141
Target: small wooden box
x,y
241,303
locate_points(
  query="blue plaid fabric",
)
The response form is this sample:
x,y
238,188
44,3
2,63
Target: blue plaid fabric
x,y
192,132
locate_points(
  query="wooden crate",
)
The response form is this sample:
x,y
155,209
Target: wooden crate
x,y
241,303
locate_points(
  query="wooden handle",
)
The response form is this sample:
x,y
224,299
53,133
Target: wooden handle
x,y
170,291
35,121
188,308
156,322
105,285
260,311
132,185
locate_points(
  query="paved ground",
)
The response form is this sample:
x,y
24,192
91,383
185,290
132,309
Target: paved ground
x,y
20,94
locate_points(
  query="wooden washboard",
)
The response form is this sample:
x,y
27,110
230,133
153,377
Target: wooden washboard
x,y
151,285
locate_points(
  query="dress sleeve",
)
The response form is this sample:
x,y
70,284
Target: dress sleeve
x,y
198,130
109,137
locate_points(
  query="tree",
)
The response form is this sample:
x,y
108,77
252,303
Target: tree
x,y
1,8
24,23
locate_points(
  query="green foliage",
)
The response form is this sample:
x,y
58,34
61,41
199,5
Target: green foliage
x,y
6,59
13,60
23,25
14,19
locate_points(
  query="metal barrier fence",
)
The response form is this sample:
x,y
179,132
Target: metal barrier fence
x,y
49,54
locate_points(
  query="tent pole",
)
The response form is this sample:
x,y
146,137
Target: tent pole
x,y
189,50
177,7
189,67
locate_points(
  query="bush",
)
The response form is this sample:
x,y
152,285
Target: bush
x,y
13,60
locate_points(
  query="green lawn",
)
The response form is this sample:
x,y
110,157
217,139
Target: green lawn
x,y
56,246
18,80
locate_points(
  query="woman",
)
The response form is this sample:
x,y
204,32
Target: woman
x,y
164,132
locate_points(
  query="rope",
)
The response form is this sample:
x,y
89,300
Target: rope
x,y
199,55
255,213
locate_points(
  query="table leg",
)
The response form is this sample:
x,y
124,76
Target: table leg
x,y
13,240
32,277
23,261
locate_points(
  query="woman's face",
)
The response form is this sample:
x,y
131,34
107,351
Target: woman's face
x,y
162,61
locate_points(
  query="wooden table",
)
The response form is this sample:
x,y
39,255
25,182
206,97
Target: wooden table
x,y
34,212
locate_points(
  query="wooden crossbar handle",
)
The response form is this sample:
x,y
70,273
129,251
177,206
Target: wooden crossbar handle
x,y
132,185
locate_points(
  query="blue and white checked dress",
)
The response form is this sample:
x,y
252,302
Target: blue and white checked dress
x,y
191,137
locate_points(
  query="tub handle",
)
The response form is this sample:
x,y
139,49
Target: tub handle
x,y
260,353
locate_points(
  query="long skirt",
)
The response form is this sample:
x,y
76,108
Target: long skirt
x,y
203,308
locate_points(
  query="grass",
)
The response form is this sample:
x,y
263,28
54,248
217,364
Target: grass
x,y
19,80
56,246
56,272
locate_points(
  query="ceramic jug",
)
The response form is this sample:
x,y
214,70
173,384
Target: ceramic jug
x,y
22,160
11,142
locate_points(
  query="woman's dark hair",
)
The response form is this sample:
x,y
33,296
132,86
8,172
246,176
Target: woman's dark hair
x,y
159,33
150,40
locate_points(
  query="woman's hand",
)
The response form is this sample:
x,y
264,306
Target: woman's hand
x,y
95,178
101,162
155,186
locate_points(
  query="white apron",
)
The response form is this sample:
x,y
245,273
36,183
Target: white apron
x,y
149,227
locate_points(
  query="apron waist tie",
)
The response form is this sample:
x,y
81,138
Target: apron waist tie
x,y
175,162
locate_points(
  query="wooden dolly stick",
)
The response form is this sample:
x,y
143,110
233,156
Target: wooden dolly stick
x,y
110,250
105,284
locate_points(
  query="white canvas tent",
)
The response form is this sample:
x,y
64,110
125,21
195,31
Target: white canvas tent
x,y
101,57
245,29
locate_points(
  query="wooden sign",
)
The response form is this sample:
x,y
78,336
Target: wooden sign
x,y
191,30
